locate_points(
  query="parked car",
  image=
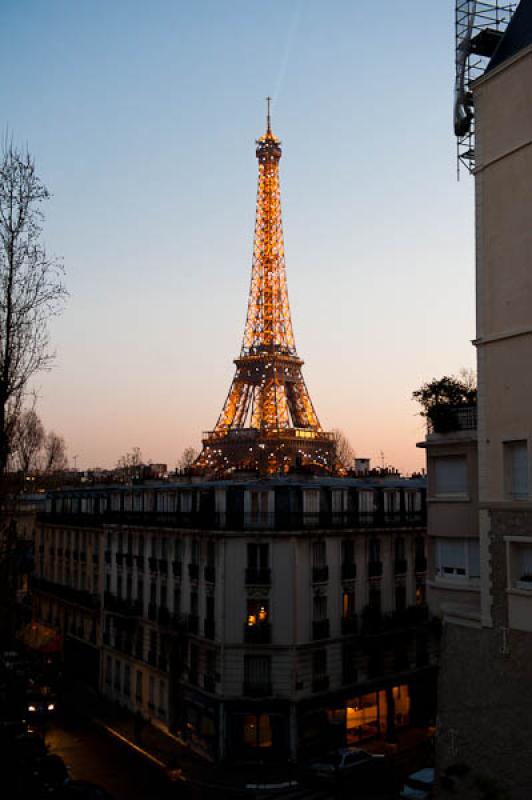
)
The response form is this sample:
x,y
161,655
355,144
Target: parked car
x,y
419,785
25,748
345,763
50,773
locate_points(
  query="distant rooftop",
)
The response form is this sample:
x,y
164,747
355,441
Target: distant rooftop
x,y
517,36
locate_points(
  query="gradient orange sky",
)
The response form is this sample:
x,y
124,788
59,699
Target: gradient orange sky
x,y
142,119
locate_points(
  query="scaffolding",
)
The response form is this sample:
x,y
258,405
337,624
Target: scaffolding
x,y
479,27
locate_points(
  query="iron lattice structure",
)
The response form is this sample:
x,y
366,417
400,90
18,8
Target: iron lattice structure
x,y
268,421
479,27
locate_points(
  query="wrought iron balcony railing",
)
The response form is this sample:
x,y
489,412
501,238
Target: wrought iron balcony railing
x,y
258,634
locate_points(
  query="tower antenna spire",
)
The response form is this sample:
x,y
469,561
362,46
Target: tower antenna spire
x,y
268,115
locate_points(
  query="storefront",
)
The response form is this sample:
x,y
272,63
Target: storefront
x,y
258,734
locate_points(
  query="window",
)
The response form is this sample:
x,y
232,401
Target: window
x,y
140,591
141,545
450,475
127,680
162,697
400,549
138,686
151,691
177,599
108,671
163,596
319,556
522,563
374,550
366,502
319,607
319,664
186,502
339,501
257,730
129,587
119,586
118,681
258,556
400,598
311,501
257,670
457,558
257,613
194,604
209,607
195,551
348,551
374,598
348,604
516,469
210,553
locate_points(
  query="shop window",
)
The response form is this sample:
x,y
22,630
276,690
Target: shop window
x,y
362,717
257,730
420,594
516,469
450,475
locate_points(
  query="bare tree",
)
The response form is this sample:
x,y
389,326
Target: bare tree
x,y
55,455
344,452
26,441
129,463
31,290
188,456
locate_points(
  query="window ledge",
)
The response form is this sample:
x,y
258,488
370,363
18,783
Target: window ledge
x,y
455,584
449,498
522,588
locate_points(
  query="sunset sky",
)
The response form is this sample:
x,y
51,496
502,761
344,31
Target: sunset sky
x,y
142,119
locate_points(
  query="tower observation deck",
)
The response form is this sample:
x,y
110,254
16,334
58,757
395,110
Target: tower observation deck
x,y
268,421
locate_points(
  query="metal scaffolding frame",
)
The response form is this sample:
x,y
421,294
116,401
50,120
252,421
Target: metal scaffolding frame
x,y
479,26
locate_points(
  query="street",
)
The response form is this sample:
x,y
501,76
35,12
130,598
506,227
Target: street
x,y
93,755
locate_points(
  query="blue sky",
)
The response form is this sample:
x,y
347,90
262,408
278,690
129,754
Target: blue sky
x,y
142,119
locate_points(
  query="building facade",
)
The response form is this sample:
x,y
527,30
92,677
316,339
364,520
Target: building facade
x,y
485,705
258,620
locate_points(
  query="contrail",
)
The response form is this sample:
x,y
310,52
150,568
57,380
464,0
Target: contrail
x,y
296,19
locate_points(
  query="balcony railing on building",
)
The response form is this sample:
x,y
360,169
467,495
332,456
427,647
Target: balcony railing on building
x,y
257,689
449,419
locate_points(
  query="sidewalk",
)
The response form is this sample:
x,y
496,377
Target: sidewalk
x,y
172,756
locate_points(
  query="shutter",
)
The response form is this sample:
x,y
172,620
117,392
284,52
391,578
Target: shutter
x,y
450,475
452,554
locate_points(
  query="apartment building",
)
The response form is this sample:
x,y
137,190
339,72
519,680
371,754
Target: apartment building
x,y
485,705
266,619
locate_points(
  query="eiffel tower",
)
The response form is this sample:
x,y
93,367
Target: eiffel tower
x,y
268,422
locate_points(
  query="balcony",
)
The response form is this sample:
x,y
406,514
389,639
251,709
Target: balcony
x,y
66,593
253,689
374,569
400,566
349,625
320,684
320,629
258,634
209,683
193,623
258,577
193,572
320,574
349,571
449,419
208,628
177,568
210,573
119,605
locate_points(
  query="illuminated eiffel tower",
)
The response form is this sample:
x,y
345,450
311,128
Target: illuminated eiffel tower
x,y
268,421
